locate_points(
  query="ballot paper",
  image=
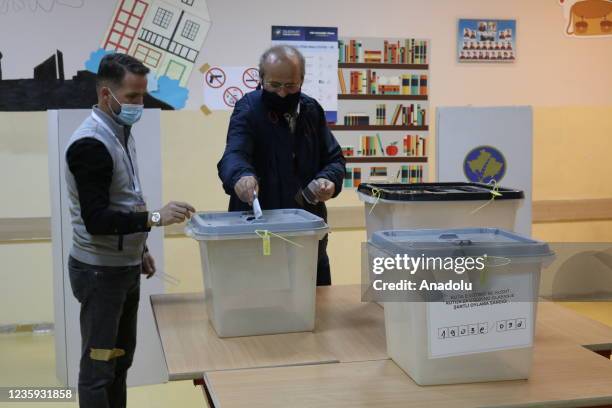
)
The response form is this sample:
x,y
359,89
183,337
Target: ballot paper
x,y
256,207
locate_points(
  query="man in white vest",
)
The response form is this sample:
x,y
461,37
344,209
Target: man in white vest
x,y
110,223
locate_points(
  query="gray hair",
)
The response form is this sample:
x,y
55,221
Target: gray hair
x,y
283,53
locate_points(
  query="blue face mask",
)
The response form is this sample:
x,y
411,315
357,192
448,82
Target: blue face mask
x,y
129,113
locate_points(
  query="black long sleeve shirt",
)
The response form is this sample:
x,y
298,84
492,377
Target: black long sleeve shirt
x,y
92,167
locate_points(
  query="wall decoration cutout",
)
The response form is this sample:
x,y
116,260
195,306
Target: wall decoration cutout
x,y
166,36
483,164
486,40
49,89
587,18
94,59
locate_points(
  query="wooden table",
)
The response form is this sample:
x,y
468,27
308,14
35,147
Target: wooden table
x,y
290,369
345,330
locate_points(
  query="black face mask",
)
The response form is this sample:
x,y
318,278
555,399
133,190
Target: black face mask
x,y
277,103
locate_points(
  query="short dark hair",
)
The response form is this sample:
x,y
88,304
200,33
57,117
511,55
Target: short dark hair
x,y
282,52
113,68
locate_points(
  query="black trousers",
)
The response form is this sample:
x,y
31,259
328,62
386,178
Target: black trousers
x,y
109,299
323,270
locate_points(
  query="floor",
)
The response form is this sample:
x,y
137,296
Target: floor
x,y
29,360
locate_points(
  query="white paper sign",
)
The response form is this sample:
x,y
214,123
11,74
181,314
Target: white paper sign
x,y
321,81
224,86
466,328
319,46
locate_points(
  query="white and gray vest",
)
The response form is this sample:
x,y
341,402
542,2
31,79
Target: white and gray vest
x,y
125,194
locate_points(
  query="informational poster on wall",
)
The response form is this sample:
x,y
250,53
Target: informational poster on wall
x,y
497,319
319,45
225,86
486,40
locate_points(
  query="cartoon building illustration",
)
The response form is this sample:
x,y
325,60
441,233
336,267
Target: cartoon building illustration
x,y
166,35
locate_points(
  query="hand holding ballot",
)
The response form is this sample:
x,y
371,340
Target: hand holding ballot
x,y
245,189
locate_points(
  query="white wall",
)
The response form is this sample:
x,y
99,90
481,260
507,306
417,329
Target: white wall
x,y
551,68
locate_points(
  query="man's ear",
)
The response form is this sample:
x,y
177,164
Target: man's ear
x,y
103,91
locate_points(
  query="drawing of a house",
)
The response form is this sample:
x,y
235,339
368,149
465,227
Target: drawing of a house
x,y
166,35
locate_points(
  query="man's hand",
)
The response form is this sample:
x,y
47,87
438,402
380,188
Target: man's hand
x,y
175,212
245,187
148,265
326,189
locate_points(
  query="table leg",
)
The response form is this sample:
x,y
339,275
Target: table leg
x,y
200,382
604,353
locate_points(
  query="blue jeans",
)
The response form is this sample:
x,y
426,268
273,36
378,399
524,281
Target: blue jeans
x,y
109,299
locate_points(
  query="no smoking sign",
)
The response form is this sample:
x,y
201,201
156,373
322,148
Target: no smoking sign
x,y
250,78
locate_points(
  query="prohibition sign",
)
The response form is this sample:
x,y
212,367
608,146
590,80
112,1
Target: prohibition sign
x,y
215,77
232,95
250,78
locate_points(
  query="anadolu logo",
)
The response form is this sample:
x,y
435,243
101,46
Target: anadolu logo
x,y
483,164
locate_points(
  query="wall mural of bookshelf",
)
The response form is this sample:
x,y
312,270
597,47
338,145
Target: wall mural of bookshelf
x,y
383,109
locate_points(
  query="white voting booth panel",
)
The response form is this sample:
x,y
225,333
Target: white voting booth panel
x,y
508,129
149,366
